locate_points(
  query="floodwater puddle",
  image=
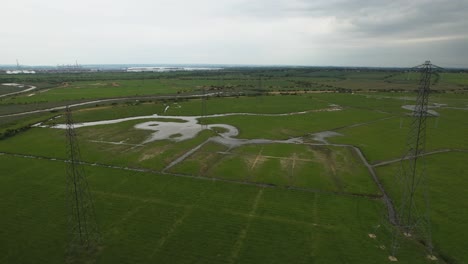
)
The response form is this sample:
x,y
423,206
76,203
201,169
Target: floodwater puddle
x,y
322,136
177,131
173,129
170,130
429,111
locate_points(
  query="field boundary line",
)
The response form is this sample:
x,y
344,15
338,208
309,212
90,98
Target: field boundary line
x,y
172,229
188,210
278,219
387,162
258,184
31,87
91,101
243,233
140,199
256,159
124,218
386,198
185,155
116,143
268,156
293,166
363,123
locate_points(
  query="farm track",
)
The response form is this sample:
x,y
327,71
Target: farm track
x,y
19,92
383,163
363,123
392,216
158,97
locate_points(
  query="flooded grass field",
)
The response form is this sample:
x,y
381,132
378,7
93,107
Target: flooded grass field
x,y
261,179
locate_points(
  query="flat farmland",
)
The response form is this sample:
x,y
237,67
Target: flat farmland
x,y
148,217
265,178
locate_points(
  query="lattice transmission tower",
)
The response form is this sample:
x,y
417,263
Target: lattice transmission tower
x,y
260,83
203,107
259,90
413,210
221,90
83,232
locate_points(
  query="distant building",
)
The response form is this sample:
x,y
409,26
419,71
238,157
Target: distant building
x,y
20,72
153,69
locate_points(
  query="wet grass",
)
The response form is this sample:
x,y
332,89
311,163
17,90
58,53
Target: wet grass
x,y
334,169
62,89
5,89
261,105
279,104
161,218
447,131
101,89
116,144
447,176
147,217
284,127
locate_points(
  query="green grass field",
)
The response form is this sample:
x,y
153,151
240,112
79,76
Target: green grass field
x,y
302,201
447,177
65,88
310,167
5,89
150,217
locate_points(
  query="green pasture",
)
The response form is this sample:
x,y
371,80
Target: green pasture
x,y
386,139
215,105
105,85
148,217
284,127
98,145
447,176
101,90
255,203
61,89
12,125
335,169
5,89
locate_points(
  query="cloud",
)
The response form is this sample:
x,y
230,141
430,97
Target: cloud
x,y
320,32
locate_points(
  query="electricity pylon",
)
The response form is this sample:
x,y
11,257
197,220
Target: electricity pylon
x,y
203,108
84,237
412,214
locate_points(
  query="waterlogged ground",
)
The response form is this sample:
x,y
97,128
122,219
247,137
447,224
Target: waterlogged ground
x,y
179,128
230,187
175,128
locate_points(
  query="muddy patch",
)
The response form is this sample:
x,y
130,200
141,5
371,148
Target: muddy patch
x,y
153,152
327,158
322,136
188,127
254,161
429,111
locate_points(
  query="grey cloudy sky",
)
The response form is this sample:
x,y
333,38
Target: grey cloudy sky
x,y
293,32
